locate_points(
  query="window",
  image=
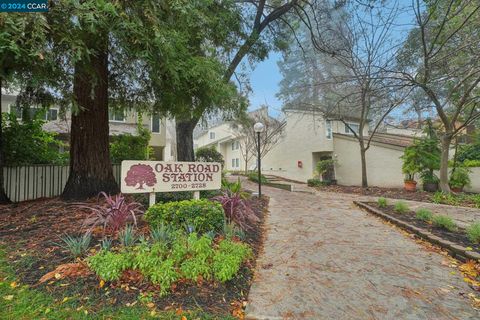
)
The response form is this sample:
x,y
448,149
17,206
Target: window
x,y
40,113
328,126
156,122
235,145
52,114
116,115
212,135
354,126
236,163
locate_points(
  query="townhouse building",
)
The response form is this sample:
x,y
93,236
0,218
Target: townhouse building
x,y
121,122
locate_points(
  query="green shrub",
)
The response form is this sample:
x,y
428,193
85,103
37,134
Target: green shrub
x,y
469,152
199,253
131,147
109,265
26,143
471,163
203,215
459,177
401,207
323,166
165,274
208,154
424,215
428,176
382,202
228,259
315,182
253,176
189,257
444,222
473,232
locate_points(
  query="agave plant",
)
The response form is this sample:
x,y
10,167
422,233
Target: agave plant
x,y
161,234
113,214
77,246
127,236
237,209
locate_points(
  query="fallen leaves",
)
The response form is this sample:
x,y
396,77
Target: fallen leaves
x,y
238,309
70,270
9,297
471,272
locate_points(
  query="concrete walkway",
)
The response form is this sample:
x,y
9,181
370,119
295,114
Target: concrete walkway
x,y
326,259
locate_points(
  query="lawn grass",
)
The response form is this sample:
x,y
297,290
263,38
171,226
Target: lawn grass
x,y
19,301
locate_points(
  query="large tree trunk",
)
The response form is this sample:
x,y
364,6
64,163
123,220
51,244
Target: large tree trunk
x,y
363,158
446,141
184,134
90,167
3,196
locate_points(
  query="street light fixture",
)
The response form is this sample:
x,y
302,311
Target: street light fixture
x,y
259,128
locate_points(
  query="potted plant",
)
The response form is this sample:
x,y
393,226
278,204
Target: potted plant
x,y
410,167
429,181
409,183
422,156
459,178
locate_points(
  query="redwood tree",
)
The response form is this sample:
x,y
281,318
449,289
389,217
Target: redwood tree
x,y
81,34
90,166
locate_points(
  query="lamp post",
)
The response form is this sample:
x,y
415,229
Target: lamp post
x,y
258,128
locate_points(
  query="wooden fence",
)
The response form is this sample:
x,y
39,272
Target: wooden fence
x,y
39,181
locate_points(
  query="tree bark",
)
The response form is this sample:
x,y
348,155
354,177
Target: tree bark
x,y
3,195
90,167
363,158
446,141
184,133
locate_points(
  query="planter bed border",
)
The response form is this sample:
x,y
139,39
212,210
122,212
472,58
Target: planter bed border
x,y
458,251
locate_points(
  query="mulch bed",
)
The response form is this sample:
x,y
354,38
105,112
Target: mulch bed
x,y
394,193
30,233
458,237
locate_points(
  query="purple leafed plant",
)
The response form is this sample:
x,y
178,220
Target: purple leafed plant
x,y
113,214
237,209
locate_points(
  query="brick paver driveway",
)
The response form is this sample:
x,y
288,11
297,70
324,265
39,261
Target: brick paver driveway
x,y
326,259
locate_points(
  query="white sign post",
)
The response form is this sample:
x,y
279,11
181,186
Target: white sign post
x,y
158,176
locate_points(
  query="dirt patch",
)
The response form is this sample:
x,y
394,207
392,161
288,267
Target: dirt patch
x,y
458,237
30,233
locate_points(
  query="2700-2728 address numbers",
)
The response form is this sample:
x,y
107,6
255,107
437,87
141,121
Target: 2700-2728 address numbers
x,y
194,185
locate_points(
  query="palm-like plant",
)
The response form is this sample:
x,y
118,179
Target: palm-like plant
x,y
237,208
113,214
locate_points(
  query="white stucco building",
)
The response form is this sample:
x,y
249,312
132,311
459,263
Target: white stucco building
x,y
306,139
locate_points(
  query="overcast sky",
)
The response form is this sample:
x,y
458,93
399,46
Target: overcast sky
x,y
264,81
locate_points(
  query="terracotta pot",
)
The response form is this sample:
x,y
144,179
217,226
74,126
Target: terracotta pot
x,y
411,185
456,189
430,187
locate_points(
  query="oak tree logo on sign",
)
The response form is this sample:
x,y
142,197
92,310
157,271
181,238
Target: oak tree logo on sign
x,y
140,174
